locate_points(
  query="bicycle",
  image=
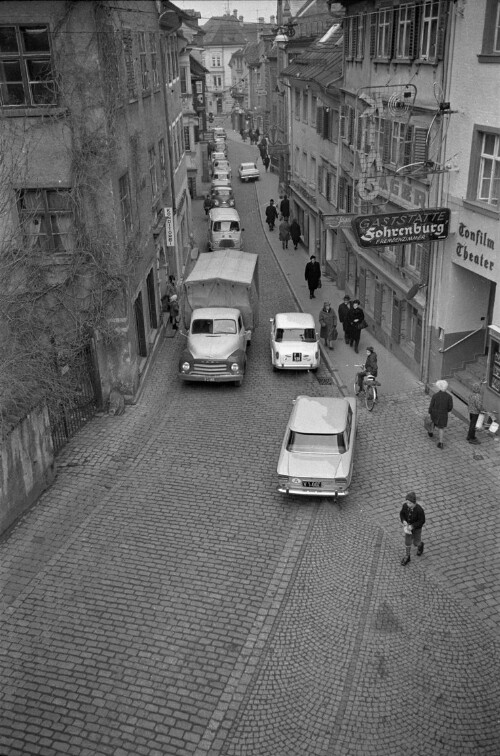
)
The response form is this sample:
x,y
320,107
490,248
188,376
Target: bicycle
x,y
369,388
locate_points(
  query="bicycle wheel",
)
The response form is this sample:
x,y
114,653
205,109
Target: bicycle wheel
x,y
370,398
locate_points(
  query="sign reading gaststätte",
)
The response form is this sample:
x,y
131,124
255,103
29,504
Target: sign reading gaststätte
x,y
426,224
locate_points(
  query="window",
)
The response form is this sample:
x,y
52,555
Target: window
x,y
359,31
397,142
314,105
305,106
217,82
312,172
429,33
296,162
163,161
187,140
154,59
143,61
46,219
125,202
354,32
216,61
297,103
180,138
404,31
488,189
414,256
384,32
26,76
152,171
490,52
303,173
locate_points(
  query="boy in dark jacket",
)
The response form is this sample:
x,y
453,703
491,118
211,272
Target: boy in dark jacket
x,y
413,518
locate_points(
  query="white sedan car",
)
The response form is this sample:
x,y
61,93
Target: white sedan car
x,y
248,172
294,342
317,452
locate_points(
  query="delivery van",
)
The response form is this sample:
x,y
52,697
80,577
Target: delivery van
x,y
224,229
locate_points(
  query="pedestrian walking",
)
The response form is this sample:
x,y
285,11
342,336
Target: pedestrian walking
x,y
328,325
174,311
207,204
295,232
284,231
267,161
313,276
413,518
474,405
344,308
371,367
285,208
439,408
355,320
271,215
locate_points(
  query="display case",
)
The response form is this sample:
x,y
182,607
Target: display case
x,y
494,373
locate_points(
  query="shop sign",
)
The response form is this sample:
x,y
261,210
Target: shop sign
x,y
169,227
475,247
402,228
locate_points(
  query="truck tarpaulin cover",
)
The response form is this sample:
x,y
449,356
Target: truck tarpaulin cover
x,y
224,278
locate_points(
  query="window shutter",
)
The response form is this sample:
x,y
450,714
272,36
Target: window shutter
x,y
347,30
396,320
341,193
196,134
319,119
420,154
350,137
362,287
399,250
386,155
129,62
326,114
418,339
320,179
348,197
359,123
354,36
342,121
415,32
408,144
425,263
392,34
441,30
373,34
377,307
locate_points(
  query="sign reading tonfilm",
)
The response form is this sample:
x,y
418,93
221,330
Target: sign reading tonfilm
x,y
402,228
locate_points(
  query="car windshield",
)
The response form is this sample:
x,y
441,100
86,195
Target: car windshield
x,y
222,193
296,334
316,443
224,226
222,325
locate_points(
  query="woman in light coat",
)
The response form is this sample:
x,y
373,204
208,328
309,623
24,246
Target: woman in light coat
x,y
328,323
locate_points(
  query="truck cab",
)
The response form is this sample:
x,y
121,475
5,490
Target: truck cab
x,y
216,346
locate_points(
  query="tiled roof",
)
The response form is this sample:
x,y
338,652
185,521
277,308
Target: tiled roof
x,y
321,62
227,31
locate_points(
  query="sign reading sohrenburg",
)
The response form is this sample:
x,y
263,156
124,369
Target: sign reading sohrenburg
x,y
426,224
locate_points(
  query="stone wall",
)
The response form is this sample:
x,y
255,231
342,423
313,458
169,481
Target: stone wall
x,y
27,465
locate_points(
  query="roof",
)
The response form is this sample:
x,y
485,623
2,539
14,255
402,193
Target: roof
x,y
294,320
313,414
224,30
321,62
224,265
224,213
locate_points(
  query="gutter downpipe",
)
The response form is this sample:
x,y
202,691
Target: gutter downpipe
x,y
436,267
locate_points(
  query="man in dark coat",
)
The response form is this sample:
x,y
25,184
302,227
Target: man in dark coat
x,y
271,215
312,276
413,518
354,319
343,312
285,208
295,232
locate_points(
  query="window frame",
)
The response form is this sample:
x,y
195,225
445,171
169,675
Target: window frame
x,y
429,27
154,60
125,202
48,218
490,50
162,156
143,62
472,198
24,57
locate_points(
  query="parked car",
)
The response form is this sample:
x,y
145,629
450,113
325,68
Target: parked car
x,y
222,197
221,164
248,172
317,453
218,174
220,146
220,183
220,133
217,156
294,342
224,229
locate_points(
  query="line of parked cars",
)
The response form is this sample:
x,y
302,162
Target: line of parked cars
x,y
317,452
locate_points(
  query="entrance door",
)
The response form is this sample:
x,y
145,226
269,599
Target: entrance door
x,y
139,326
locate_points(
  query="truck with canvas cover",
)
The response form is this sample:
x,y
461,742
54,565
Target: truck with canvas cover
x,y
220,309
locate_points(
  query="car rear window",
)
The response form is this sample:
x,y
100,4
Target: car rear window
x,y
296,334
316,443
224,226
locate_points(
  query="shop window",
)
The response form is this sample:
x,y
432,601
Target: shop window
x,y
26,75
494,375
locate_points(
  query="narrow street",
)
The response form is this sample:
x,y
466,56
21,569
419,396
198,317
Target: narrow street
x,y
163,599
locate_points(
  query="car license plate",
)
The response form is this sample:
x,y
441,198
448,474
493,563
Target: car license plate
x,y
209,378
297,357
311,483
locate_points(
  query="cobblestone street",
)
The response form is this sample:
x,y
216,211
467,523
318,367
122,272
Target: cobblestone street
x,y
163,599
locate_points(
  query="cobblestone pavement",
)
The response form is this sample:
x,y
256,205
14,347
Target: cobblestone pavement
x,y
163,598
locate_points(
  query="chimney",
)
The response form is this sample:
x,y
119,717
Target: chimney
x,y
240,19
261,20
235,13
271,20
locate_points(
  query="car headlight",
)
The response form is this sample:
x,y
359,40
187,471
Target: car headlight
x,y
186,367
277,355
296,481
216,203
231,203
235,368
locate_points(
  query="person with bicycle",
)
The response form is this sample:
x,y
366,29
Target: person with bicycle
x,y
370,367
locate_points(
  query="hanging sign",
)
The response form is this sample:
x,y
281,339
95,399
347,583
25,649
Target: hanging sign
x,y
426,224
169,226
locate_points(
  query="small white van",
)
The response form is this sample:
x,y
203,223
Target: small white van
x,y
224,229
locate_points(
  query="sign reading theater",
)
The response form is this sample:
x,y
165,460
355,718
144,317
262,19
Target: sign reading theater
x,y
402,228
